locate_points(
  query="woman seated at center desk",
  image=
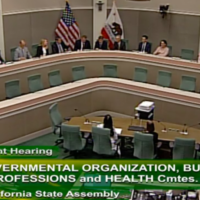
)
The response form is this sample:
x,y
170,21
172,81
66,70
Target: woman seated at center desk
x,y
162,50
42,50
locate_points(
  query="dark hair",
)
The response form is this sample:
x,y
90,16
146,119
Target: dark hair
x,y
100,38
57,38
165,41
84,36
108,123
145,36
150,127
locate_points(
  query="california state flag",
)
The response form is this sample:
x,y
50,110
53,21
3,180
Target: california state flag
x,y
113,26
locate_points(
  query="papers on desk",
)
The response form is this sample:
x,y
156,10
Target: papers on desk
x,y
117,130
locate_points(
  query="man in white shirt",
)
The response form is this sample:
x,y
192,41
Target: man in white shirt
x,y
82,44
119,44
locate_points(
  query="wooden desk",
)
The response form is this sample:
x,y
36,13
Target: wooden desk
x,y
93,61
124,123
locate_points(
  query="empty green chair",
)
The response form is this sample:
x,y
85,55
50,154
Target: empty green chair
x,y
110,70
78,73
35,83
126,43
34,49
184,148
164,78
140,74
170,50
143,146
187,54
12,52
73,140
188,83
56,120
12,89
55,78
101,142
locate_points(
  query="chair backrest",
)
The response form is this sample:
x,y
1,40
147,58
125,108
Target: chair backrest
x,y
12,52
126,43
184,148
101,141
55,78
72,137
12,89
78,73
164,78
110,70
143,146
55,115
188,83
187,54
140,74
34,49
170,50
35,83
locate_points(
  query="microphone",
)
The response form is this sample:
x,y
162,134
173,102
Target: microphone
x,y
186,130
183,130
164,127
86,119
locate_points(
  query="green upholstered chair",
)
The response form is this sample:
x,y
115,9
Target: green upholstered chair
x,y
126,43
170,50
35,83
188,83
73,140
140,74
12,52
55,78
12,89
143,146
101,142
184,148
78,73
164,78
34,49
187,54
56,121
110,70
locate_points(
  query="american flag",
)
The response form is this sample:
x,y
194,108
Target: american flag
x,y
67,28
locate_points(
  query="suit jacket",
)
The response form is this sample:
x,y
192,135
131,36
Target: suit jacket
x,y
78,45
104,45
147,47
122,46
1,60
19,53
40,52
55,47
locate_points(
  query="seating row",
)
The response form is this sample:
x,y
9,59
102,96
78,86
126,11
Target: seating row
x,y
12,87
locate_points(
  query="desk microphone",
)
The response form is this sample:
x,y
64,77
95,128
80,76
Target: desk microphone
x,y
164,127
186,130
86,119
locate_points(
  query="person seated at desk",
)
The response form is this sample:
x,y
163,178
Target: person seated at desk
x,y
42,50
2,61
82,44
144,46
108,123
119,44
22,52
58,46
162,50
150,129
101,44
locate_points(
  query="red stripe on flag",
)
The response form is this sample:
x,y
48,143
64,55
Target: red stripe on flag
x,y
106,36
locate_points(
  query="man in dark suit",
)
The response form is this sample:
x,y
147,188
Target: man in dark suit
x,y
58,46
119,44
101,44
144,46
82,44
2,61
